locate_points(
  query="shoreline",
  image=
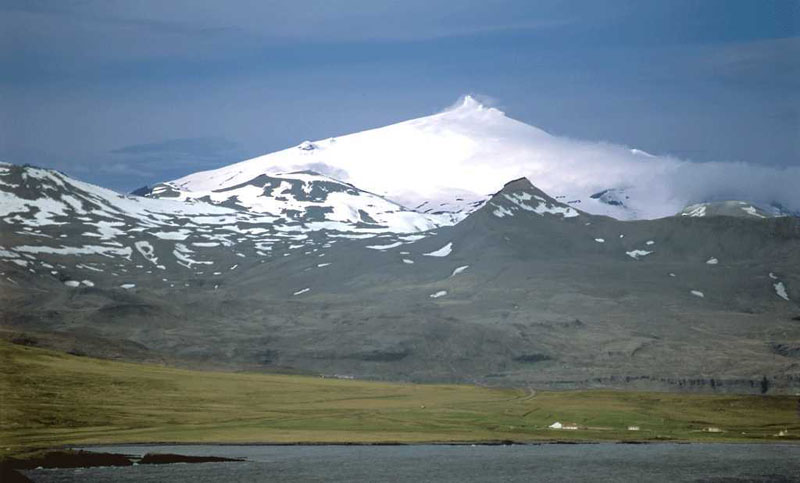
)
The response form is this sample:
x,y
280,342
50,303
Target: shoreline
x,y
437,443
63,457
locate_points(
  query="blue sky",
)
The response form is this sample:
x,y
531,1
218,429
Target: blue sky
x,y
125,93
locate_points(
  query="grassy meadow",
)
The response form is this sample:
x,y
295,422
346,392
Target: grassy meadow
x,y
49,399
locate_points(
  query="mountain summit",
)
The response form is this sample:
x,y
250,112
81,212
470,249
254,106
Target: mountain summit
x,y
453,160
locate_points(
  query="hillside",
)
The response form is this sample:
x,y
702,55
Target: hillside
x,y
51,399
525,291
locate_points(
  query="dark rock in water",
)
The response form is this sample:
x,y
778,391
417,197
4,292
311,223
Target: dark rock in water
x,y
68,459
167,458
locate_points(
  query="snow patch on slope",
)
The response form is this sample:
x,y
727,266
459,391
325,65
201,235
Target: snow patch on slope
x,y
780,289
637,254
442,252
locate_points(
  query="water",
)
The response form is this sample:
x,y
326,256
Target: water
x,y
438,463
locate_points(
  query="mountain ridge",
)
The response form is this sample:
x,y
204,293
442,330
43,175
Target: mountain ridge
x,y
525,290
308,196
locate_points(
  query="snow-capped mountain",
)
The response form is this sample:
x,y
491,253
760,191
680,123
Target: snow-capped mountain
x,y
275,263
38,198
453,160
46,213
316,200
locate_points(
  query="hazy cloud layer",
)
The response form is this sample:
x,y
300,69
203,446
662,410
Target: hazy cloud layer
x,y
165,157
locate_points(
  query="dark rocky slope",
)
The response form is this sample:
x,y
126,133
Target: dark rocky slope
x,y
524,291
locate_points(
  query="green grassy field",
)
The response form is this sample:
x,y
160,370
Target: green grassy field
x,y
51,399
